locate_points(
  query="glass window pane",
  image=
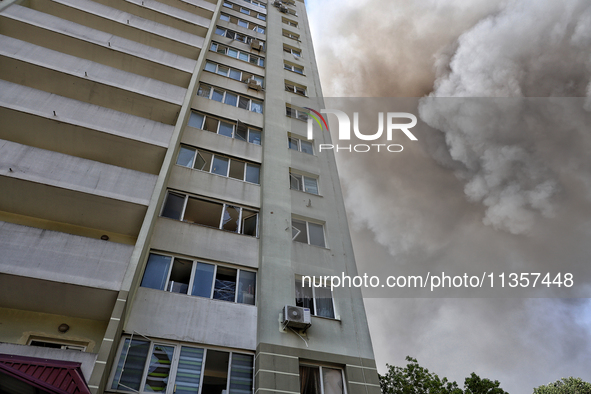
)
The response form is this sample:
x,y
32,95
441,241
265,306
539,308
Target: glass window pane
x,y
241,131
301,116
159,369
303,293
209,66
243,56
235,74
310,185
253,173
231,219
219,31
261,17
247,287
230,34
221,49
156,271
223,71
220,165
243,103
290,112
211,124
218,95
236,169
307,147
299,233
225,284
253,60
180,276
203,161
186,157
249,222
195,120
173,207
242,23
226,129
226,4
215,375
245,10
332,381
225,17
231,99
241,374
292,143
262,62
203,281
204,91
295,181
316,234
287,66
188,373
324,306
134,355
214,47
254,136
206,213
232,52
256,106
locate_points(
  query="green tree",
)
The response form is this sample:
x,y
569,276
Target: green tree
x,y
565,386
414,379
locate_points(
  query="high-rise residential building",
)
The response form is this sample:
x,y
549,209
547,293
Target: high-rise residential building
x,y
161,207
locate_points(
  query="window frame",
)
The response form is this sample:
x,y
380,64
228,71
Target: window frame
x,y
235,126
225,205
321,377
292,67
174,365
215,154
291,35
260,61
249,25
295,88
289,22
313,311
242,78
192,279
297,53
299,144
299,114
302,185
215,89
237,36
307,223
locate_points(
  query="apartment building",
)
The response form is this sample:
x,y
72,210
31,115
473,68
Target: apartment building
x,y
161,206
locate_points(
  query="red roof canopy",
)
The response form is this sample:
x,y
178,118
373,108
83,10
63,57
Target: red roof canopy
x,y
53,376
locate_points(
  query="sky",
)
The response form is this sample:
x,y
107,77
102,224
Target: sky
x,y
499,179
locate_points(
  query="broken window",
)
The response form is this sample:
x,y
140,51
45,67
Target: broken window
x,y
307,232
303,183
199,279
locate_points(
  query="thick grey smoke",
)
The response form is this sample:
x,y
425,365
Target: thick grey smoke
x,y
503,185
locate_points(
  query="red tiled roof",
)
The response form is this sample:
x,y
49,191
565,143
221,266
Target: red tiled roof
x,y
59,377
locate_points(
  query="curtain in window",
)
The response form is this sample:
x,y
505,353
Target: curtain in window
x,y
332,380
309,380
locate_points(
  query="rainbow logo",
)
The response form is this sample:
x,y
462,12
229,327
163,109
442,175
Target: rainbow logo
x,y
316,115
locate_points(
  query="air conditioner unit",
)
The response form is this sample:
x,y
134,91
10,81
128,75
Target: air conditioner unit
x,y
256,44
254,84
296,317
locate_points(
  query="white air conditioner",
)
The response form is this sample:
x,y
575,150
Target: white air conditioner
x,y
256,44
254,84
296,317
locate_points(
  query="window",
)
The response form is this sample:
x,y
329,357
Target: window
x,y
296,113
291,35
295,52
321,380
244,56
57,344
237,130
307,232
300,145
236,36
231,73
293,67
289,22
295,88
146,366
310,294
230,98
244,10
257,3
215,163
303,183
199,279
211,213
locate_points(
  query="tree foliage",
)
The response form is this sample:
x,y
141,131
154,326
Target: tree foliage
x,y
414,379
565,386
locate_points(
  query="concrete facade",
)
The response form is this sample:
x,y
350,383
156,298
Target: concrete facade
x,y
147,202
